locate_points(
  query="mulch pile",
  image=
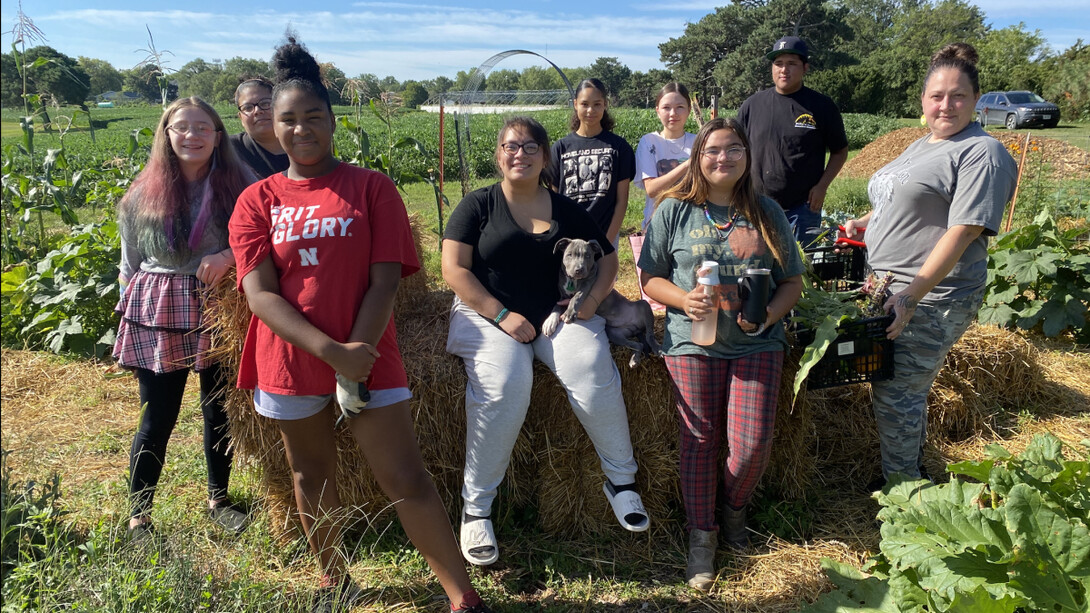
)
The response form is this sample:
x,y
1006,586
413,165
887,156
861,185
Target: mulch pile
x,y
827,436
1065,161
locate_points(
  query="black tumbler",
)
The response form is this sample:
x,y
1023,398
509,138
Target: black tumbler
x,y
753,290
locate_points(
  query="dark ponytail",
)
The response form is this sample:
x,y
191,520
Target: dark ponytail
x,y
960,56
296,68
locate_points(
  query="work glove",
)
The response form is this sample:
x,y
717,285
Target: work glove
x,y
352,396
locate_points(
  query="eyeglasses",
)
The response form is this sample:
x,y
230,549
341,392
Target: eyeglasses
x,y
200,129
530,147
733,154
249,107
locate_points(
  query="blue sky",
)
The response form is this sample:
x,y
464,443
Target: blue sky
x,y
425,39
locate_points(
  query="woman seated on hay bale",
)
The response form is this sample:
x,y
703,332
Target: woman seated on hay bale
x,y
498,258
321,249
729,388
934,208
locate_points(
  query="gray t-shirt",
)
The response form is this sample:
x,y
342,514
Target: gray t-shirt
x,y
679,238
964,180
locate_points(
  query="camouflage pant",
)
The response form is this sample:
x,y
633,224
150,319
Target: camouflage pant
x,y
900,405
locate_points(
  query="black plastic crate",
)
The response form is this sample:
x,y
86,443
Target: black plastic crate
x,y
859,354
842,263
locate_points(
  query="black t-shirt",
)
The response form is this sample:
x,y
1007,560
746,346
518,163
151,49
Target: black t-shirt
x,y
789,135
265,164
587,170
518,268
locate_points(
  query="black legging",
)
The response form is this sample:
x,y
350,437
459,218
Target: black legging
x,y
161,399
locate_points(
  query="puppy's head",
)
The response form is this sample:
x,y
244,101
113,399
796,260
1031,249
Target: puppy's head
x,y
580,257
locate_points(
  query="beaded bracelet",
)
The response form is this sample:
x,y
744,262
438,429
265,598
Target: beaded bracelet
x,y
502,314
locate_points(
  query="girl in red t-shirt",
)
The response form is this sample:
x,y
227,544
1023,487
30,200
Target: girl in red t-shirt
x,y
321,249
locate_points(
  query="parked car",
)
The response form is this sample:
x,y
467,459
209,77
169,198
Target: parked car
x,y
1016,110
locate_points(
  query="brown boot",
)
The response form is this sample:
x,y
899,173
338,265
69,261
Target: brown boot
x,y
733,527
700,574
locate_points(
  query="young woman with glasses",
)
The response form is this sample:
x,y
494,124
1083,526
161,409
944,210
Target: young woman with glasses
x,y
173,244
592,165
499,257
727,389
257,144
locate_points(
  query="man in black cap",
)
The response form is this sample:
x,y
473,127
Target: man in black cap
x,y
790,127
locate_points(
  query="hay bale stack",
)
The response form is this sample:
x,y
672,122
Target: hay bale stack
x,y
827,435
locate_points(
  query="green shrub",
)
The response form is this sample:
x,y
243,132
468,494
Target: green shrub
x,y
863,128
64,302
1039,278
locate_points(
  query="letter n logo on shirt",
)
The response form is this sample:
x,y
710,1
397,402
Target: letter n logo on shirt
x,y
308,257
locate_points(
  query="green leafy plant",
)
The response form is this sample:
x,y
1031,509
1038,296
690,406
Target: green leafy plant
x,y
64,302
1039,278
821,312
1017,541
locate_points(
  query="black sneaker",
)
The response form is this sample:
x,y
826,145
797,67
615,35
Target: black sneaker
x,y
229,516
336,598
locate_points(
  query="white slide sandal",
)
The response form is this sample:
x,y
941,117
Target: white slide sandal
x,y
628,507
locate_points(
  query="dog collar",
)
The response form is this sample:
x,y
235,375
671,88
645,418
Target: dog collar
x,y
570,287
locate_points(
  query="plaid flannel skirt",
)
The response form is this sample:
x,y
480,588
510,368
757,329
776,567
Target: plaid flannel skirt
x,y
162,324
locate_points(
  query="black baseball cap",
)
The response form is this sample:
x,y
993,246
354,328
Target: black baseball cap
x,y
790,44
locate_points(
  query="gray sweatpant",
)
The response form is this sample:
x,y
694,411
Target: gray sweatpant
x,y
500,371
900,404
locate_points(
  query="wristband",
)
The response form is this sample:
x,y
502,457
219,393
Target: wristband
x,y
596,301
503,313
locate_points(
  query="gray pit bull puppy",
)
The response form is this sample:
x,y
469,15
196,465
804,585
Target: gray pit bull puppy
x,y
628,323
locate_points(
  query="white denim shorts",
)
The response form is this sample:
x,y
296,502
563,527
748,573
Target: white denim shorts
x,y
285,407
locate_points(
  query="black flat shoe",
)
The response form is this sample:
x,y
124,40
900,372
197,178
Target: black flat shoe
x,y
229,516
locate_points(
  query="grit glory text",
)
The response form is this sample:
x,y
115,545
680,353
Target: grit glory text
x,y
286,228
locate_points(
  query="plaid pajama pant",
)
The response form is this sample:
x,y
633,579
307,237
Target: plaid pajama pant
x,y
716,397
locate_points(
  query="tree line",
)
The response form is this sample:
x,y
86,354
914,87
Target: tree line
x,y
870,56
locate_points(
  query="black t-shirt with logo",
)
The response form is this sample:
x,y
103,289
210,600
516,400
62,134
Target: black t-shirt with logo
x,y
588,169
789,135
517,267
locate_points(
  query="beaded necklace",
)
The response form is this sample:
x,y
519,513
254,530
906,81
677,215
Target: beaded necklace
x,y
722,230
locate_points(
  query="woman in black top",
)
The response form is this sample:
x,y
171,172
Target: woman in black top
x,y
257,145
498,257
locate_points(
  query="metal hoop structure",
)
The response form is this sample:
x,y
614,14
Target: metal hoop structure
x,y
476,78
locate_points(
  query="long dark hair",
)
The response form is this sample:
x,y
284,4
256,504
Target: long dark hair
x,y
155,213
960,56
607,119
693,187
537,133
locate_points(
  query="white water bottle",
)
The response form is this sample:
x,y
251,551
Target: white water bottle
x,y
704,331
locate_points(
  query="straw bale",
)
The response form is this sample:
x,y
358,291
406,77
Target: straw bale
x,y
826,436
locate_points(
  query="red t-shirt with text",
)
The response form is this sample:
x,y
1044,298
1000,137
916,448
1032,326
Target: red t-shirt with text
x,y
322,234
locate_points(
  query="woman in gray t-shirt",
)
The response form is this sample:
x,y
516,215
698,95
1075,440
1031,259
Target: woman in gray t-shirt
x,y
934,208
